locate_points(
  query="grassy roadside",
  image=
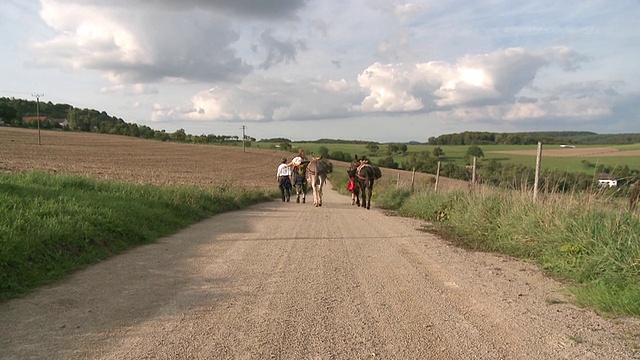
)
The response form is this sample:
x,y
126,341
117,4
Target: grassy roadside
x,y
589,241
52,225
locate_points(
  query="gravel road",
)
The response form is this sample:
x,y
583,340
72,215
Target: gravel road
x,y
291,281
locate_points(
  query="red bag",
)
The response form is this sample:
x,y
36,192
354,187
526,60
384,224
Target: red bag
x,y
351,185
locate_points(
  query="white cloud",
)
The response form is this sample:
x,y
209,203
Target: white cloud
x,y
407,10
436,65
492,78
135,89
261,99
487,86
389,88
140,46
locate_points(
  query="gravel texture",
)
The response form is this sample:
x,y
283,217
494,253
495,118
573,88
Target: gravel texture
x,y
291,281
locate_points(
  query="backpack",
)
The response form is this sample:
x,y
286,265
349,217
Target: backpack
x,y
302,168
376,172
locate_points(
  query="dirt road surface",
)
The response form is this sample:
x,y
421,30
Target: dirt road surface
x,y
290,281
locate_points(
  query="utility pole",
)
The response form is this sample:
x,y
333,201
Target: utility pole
x,y
243,137
38,113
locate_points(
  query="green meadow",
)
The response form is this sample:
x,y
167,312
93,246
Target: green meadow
x,y
456,154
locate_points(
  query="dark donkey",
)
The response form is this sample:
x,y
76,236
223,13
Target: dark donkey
x,y
364,175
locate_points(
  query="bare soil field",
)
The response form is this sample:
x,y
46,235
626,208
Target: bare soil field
x,y
284,280
573,152
128,159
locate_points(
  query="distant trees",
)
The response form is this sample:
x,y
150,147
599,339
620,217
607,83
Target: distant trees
x,y
388,163
12,111
395,148
7,113
340,156
323,152
285,146
473,151
421,161
373,147
531,138
276,140
438,152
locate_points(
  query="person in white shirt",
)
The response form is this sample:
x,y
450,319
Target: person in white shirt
x,y
283,176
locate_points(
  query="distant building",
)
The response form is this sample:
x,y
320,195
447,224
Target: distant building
x,y
607,180
567,146
46,119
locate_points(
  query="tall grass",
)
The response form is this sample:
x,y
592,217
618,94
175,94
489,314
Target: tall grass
x,y
593,243
51,225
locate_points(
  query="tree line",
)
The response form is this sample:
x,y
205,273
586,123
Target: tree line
x,y
12,112
532,138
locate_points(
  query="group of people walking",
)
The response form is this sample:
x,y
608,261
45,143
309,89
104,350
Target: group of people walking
x,y
288,176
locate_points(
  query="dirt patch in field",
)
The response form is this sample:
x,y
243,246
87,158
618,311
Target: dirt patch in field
x,y
572,152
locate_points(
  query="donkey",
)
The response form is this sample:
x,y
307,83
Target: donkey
x,y
365,177
317,175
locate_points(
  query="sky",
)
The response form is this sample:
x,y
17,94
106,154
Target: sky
x,y
373,70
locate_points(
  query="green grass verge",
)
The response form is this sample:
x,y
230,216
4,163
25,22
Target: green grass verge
x,y
51,225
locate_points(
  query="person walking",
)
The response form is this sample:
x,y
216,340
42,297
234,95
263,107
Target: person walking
x,y
298,166
351,187
284,181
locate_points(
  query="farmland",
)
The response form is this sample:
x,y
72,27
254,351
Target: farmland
x,y
553,157
138,161
135,160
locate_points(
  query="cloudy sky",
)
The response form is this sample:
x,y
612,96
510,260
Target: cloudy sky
x,y
380,70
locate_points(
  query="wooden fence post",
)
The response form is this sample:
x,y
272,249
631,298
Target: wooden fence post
x,y
535,182
413,177
473,174
437,177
